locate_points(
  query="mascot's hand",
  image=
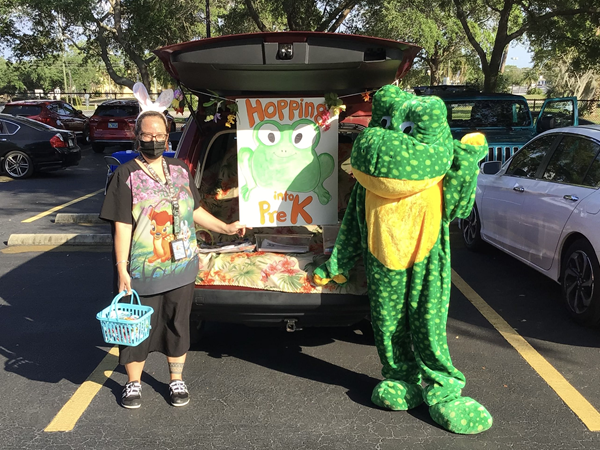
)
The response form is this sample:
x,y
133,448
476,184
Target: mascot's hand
x,y
474,139
321,276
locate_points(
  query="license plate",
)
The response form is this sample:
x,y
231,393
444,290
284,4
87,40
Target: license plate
x,y
113,125
71,143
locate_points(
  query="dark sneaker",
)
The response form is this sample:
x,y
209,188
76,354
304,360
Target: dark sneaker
x,y
132,395
179,393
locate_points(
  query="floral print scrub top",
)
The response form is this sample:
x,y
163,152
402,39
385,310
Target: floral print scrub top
x,y
133,197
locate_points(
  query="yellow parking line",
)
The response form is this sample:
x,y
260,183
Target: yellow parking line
x,y
574,400
70,413
4,179
59,207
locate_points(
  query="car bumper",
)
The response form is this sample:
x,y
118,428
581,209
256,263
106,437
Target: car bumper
x,y
62,160
269,308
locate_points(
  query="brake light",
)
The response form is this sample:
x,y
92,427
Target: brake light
x,y
57,141
131,123
43,119
94,119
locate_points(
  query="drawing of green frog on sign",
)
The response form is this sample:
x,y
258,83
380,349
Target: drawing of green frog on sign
x,y
287,162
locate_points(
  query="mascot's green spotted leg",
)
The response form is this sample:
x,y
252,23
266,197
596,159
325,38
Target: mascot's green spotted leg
x,y
417,300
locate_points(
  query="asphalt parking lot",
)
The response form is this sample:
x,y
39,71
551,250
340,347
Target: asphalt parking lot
x,y
534,369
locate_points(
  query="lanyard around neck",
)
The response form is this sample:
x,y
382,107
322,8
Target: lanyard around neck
x,y
169,185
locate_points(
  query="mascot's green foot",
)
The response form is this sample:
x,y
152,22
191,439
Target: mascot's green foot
x,y
397,395
462,415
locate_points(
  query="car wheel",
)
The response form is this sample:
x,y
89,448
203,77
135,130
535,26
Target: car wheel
x,y
86,135
97,148
580,270
18,164
471,230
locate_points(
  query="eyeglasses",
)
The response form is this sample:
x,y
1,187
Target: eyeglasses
x,y
147,137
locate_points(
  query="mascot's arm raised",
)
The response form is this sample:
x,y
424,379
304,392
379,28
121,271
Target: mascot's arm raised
x,y
460,181
348,246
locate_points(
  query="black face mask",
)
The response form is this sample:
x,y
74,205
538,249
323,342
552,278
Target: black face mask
x,y
153,148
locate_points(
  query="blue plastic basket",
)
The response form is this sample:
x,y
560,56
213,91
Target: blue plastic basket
x,y
125,323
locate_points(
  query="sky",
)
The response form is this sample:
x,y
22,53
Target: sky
x,y
522,55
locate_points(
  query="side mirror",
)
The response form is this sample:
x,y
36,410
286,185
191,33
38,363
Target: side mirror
x,y
546,123
491,167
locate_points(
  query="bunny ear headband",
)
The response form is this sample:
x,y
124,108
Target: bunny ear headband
x,y
141,94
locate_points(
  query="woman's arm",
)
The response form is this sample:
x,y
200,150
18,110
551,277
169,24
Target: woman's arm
x,y
210,222
122,246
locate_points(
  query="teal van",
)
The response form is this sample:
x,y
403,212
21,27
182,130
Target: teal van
x,y
505,119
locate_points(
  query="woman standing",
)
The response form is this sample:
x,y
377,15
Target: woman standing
x,y
153,204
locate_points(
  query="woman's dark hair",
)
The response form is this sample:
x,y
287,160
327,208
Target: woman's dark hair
x,y
138,124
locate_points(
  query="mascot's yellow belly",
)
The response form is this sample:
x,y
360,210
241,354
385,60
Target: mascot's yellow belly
x,y
403,218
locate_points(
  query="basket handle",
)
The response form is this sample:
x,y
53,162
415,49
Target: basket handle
x,y
120,295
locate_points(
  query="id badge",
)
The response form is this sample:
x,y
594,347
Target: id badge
x,y
177,250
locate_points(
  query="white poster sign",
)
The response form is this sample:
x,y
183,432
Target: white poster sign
x,y
287,162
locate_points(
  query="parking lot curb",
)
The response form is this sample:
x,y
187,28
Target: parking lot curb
x,y
60,239
79,218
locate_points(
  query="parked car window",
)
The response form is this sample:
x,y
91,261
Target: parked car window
x,y
592,178
3,127
491,113
22,110
526,161
562,111
571,160
116,111
11,128
69,110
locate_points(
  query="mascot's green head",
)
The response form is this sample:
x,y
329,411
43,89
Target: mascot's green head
x,y
408,137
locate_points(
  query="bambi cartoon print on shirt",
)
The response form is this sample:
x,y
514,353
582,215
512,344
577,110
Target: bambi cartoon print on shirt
x,y
151,261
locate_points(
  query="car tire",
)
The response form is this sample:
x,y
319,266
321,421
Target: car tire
x,y
17,164
470,228
86,135
97,148
579,271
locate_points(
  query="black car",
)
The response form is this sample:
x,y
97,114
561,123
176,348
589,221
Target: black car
x,y
27,146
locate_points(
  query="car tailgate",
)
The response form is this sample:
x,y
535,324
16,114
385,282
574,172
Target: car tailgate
x,y
291,62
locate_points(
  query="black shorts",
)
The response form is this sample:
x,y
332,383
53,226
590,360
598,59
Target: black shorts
x,y
170,332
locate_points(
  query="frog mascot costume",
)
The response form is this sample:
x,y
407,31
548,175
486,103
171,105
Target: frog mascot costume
x,y
413,180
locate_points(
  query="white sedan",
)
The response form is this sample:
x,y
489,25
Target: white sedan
x,y
542,207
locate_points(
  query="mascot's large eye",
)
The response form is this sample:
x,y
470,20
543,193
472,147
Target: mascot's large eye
x,y
407,127
304,135
386,121
269,134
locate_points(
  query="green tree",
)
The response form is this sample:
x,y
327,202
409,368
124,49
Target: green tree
x,y
127,29
510,20
432,25
298,15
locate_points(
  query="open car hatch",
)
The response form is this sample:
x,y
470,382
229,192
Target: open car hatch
x,y
288,62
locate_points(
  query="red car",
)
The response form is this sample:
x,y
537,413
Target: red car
x,y
56,113
113,123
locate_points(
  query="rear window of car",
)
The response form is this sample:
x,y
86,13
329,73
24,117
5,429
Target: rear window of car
x,y
116,111
488,113
35,124
22,110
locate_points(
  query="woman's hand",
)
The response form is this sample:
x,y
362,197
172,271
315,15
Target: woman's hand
x,y
235,228
124,281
